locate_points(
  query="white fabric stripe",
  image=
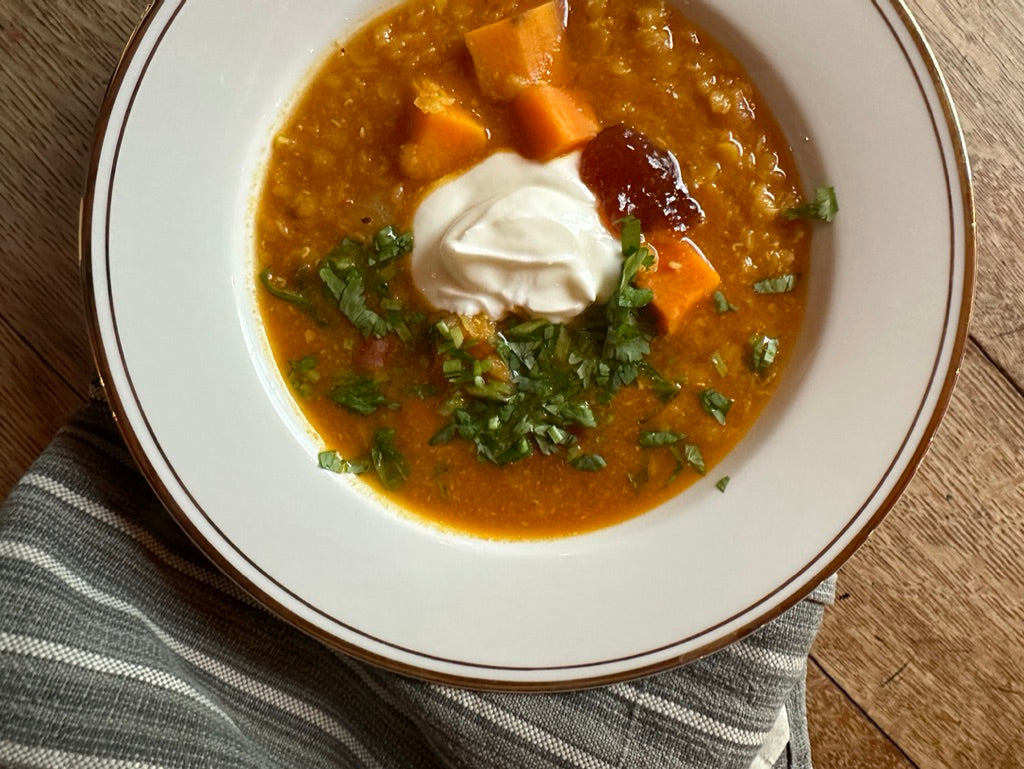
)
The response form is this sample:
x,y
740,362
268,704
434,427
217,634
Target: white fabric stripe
x,y
772,658
39,648
107,516
521,728
774,744
659,705
689,717
226,674
15,755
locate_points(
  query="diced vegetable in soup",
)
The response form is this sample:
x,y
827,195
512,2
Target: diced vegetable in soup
x,y
531,270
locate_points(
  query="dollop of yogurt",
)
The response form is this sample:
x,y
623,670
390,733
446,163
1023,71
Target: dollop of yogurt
x,y
514,235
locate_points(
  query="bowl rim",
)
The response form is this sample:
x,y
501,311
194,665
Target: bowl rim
x,y
105,359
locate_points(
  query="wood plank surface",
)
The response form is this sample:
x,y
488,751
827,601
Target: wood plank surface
x,y
927,636
927,640
57,59
27,379
920,663
844,735
979,47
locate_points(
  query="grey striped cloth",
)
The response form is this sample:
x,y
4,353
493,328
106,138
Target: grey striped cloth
x,y
121,647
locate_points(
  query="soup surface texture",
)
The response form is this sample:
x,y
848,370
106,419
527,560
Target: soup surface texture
x,y
526,426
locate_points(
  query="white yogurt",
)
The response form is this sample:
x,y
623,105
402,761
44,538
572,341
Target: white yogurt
x,y
510,235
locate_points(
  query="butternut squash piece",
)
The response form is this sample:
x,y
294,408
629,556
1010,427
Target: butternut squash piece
x,y
443,137
554,120
518,51
682,278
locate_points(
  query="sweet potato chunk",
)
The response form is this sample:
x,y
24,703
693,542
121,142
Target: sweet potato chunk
x,y
682,278
443,136
513,53
553,120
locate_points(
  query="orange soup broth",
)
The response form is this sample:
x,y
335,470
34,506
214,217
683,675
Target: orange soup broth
x,y
333,173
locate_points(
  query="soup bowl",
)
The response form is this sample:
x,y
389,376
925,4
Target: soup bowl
x,y
167,247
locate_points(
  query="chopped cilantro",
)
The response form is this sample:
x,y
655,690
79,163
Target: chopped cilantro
x,y
389,244
528,388
388,462
333,461
764,350
823,207
719,363
542,379
360,394
588,463
352,270
722,305
665,389
689,457
627,340
722,483
303,375
654,438
278,288
347,287
715,404
694,458
780,284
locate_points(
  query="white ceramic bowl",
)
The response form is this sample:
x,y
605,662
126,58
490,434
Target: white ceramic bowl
x,y
168,269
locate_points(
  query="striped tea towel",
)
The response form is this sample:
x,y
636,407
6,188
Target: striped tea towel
x,y
121,647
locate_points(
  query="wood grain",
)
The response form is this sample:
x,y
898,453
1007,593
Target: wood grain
x,y
842,735
928,636
27,379
57,58
979,46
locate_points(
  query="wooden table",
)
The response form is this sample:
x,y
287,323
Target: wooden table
x,y
921,661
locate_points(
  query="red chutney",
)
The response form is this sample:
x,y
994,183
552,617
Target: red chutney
x,y
344,165
630,175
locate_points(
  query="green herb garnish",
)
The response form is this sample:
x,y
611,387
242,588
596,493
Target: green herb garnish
x,y
550,374
690,456
824,207
388,462
780,284
694,458
715,404
719,363
385,460
764,350
588,463
665,389
389,244
531,387
351,269
722,483
722,305
628,339
360,394
347,287
654,438
303,375
279,289
333,461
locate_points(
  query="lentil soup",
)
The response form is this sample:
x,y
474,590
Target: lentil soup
x,y
405,393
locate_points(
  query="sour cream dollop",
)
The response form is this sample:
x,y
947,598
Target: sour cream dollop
x,y
513,234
